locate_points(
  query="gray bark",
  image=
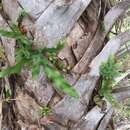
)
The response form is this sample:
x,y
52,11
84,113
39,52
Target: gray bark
x,y
50,21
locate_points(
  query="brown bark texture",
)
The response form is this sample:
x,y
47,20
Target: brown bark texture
x,y
85,24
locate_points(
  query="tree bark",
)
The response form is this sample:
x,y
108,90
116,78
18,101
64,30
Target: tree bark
x,y
85,24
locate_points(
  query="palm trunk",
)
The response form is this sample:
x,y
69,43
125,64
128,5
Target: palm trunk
x,y
85,24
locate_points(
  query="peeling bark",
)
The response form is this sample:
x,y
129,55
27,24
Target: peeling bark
x,y
110,48
92,119
62,21
49,21
8,43
105,121
98,40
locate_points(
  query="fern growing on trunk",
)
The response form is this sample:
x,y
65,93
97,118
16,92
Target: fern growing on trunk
x,y
35,60
109,71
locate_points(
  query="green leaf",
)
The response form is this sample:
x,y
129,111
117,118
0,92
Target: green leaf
x,y
59,82
35,71
111,99
109,69
16,34
59,46
12,70
7,92
44,111
35,58
15,28
9,34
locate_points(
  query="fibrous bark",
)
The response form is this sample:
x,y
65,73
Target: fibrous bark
x,y
82,22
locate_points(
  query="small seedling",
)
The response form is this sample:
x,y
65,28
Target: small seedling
x,y
7,93
44,111
109,71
